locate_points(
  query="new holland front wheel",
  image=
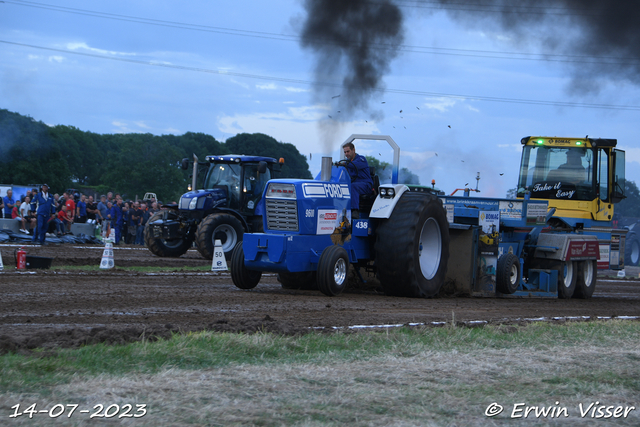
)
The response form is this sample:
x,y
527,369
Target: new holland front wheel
x,y
632,254
163,247
412,247
333,267
242,277
218,226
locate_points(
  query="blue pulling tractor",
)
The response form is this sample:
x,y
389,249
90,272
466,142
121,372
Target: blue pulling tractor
x,y
417,242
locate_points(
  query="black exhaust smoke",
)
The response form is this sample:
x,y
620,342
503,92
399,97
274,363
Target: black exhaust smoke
x,y
354,40
596,38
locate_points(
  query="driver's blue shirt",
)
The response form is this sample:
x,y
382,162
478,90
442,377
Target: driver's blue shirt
x,y
361,182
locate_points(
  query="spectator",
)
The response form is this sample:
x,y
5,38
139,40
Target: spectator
x,y
104,209
16,214
64,221
143,214
81,210
56,201
28,220
110,197
9,203
115,215
71,205
45,211
126,222
93,213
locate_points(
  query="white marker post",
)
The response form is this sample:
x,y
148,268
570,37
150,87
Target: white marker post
x,y
1,264
107,255
219,262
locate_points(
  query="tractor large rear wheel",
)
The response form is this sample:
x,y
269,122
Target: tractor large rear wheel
x,y
412,247
219,226
166,248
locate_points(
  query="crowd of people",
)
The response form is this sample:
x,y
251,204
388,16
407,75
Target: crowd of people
x,y
40,214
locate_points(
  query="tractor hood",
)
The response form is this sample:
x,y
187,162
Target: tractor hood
x,y
203,200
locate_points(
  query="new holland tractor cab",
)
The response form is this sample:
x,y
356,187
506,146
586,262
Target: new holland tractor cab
x,y
582,179
227,206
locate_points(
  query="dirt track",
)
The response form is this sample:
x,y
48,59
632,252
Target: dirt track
x,y
59,308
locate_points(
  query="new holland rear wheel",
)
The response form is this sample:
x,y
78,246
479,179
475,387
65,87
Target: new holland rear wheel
x,y
242,277
166,248
586,280
219,226
567,275
333,267
412,247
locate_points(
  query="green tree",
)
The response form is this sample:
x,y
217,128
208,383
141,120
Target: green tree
x,y
630,206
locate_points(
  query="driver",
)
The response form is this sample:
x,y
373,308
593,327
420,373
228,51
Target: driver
x,y
571,172
358,168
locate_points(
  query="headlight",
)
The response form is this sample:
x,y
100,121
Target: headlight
x,y
276,190
193,204
391,192
383,192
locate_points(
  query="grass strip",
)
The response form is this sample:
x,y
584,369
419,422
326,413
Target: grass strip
x,y
406,376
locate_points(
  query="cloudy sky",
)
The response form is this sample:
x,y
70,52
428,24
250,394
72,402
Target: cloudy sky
x,y
457,92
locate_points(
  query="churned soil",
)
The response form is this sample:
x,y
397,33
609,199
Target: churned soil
x,y
62,307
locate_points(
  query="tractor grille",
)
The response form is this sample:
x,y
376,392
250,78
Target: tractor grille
x,y
282,215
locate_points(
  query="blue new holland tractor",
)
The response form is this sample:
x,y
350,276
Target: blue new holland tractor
x,y
227,206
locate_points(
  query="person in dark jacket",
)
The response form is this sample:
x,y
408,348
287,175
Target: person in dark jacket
x,y
358,168
45,212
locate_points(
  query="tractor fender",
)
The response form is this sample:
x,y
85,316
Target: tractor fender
x,y
383,205
567,247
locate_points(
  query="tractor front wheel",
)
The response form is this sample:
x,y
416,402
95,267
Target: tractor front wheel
x,y
242,277
333,267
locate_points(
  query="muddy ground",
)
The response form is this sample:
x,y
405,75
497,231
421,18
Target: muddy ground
x,y
61,307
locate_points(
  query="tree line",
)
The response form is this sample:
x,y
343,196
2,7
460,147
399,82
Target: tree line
x,y
131,164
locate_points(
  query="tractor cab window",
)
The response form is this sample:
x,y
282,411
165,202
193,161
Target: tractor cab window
x,y
225,176
557,173
254,184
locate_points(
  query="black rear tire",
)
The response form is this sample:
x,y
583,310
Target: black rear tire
x,y
586,280
412,247
305,281
242,277
567,278
508,273
221,226
166,248
333,268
